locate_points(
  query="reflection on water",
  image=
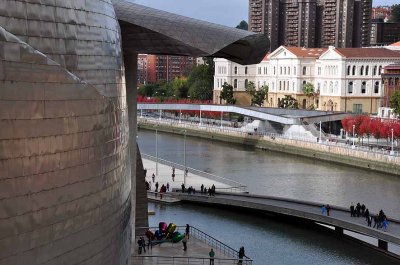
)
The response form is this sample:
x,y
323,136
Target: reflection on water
x,y
278,174
266,240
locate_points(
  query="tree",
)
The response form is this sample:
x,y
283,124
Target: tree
x,y
395,101
289,102
260,96
179,86
251,90
243,25
200,82
227,94
147,90
395,16
309,92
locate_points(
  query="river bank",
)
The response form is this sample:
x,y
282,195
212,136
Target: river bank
x,y
378,162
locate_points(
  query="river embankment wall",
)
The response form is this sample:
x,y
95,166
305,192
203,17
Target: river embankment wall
x,y
379,162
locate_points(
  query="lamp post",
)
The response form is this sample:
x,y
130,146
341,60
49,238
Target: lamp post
x,y
184,157
156,151
320,131
354,127
392,152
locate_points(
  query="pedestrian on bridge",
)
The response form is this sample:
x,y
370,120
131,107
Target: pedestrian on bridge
x,y
184,242
352,210
328,209
153,177
241,255
211,254
173,177
167,186
323,209
173,170
187,230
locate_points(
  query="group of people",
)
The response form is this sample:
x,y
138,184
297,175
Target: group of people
x,y
326,209
360,210
209,191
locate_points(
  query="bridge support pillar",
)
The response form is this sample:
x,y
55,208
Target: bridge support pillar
x,y
339,230
383,245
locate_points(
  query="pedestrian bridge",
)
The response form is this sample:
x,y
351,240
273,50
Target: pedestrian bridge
x,y
278,115
339,217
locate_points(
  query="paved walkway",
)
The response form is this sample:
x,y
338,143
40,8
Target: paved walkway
x,y
339,217
165,176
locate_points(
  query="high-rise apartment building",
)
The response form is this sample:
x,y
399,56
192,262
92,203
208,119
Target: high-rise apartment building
x,y
163,68
312,23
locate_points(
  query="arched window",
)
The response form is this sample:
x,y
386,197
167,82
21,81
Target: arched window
x,y
284,70
376,87
280,70
331,87
363,87
274,70
236,70
374,71
350,88
294,70
336,87
218,83
288,69
367,70
380,70
280,85
235,83
362,70
354,70
245,70
246,83
348,70
304,70
304,83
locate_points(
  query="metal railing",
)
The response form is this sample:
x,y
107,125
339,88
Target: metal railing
x,y
162,196
234,186
203,237
260,134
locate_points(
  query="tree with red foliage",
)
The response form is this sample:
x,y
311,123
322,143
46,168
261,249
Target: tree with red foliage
x,y
365,127
376,125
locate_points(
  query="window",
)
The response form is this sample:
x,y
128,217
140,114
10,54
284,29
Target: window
x,y
235,83
280,70
367,70
319,70
217,82
374,72
363,87
318,87
259,70
380,70
304,70
236,70
354,70
245,70
376,87
357,108
288,69
280,85
350,88
348,70
331,87
274,70
362,70
294,70
246,83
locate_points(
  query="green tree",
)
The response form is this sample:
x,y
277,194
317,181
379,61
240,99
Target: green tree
x,y
395,102
148,90
395,16
227,94
243,25
179,87
251,90
309,92
289,102
260,96
201,80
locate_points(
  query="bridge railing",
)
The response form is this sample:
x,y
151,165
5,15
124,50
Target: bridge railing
x,y
175,260
234,186
206,239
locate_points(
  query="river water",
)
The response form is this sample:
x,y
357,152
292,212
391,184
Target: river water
x,y
276,174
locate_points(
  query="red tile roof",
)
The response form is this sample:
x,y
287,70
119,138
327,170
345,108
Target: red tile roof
x,y
396,44
306,52
367,53
266,56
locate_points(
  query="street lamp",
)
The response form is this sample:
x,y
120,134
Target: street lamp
x,y
156,151
320,131
184,157
392,152
354,127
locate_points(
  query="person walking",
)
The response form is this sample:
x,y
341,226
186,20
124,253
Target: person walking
x,y
184,242
366,214
241,255
187,230
323,209
153,177
173,177
328,209
352,210
173,170
183,187
167,186
211,254
156,186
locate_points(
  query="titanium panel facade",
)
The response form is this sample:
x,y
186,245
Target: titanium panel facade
x,y
67,166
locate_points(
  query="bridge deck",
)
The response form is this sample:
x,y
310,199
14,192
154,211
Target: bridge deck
x,y
339,217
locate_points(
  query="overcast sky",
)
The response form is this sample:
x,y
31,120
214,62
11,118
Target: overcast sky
x,y
225,12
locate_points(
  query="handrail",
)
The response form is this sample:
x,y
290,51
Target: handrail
x,y
209,240
172,260
234,185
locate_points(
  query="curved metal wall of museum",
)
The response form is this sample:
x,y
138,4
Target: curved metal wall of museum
x,y
65,173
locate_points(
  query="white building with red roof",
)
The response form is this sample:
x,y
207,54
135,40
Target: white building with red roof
x,y
344,79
